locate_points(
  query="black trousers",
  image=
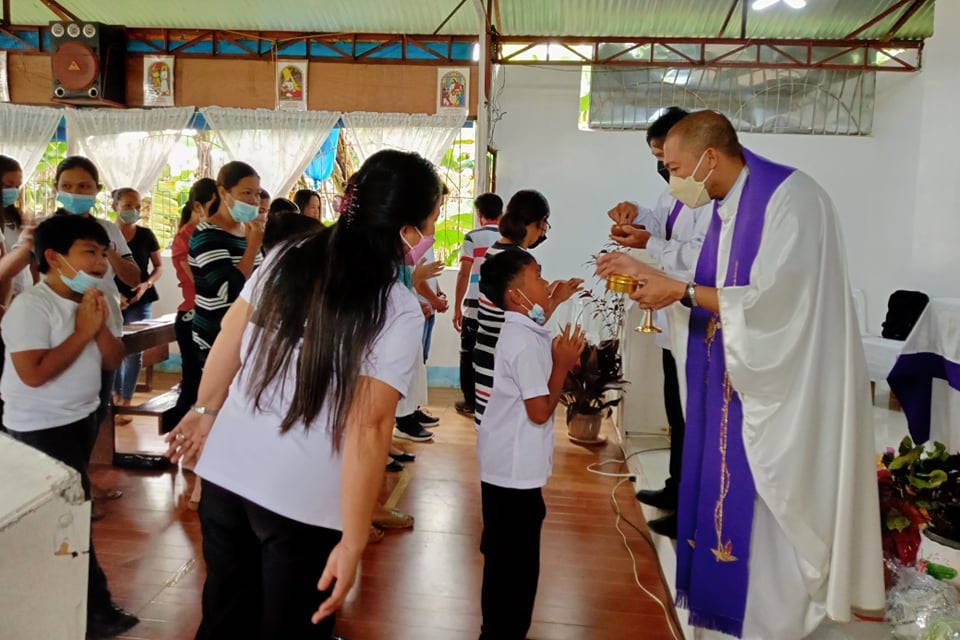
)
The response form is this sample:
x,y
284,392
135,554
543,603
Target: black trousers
x,y
512,519
468,340
71,444
190,367
262,571
105,409
674,408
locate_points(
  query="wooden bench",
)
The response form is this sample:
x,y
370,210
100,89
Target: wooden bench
x,y
155,407
151,357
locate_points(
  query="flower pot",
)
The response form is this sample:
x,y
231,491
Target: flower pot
x,y
585,428
940,550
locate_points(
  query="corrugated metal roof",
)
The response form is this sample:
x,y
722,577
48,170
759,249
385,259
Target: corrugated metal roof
x,y
821,19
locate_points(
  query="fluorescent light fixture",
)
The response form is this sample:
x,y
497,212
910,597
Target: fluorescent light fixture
x,y
760,5
796,4
476,52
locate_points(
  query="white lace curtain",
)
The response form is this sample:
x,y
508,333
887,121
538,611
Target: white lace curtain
x,y
129,146
25,133
278,144
428,135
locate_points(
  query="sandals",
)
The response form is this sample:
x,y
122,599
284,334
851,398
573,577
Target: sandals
x,y
376,535
394,520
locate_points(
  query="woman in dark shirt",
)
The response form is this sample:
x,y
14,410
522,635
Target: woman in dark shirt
x,y
136,302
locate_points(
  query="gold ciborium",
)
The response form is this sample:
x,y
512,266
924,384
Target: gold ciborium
x,y
620,283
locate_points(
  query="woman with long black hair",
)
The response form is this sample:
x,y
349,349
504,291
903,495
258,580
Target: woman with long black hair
x,y
296,409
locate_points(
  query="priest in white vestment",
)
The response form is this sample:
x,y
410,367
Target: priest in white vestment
x,y
778,519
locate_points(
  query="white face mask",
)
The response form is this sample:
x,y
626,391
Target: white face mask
x,y
688,190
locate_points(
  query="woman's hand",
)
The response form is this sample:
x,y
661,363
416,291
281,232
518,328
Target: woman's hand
x,y
425,271
342,567
186,440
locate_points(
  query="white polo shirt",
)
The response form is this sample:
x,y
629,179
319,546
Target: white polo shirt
x,y
515,452
297,474
40,318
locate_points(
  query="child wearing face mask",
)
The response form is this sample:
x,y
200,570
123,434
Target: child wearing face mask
x,y
58,339
224,251
515,439
136,302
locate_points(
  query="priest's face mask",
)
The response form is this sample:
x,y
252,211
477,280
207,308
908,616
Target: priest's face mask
x,y
690,174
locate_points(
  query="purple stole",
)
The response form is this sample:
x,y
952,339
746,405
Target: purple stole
x,y
672,218
717,493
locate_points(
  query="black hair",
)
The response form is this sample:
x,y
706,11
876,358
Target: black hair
x,y
232,173
264,194
11,213
60,232
662,125
525,207
287,225
326,297
116,194
282,205
498,273
203,191
302,198
76,162
490,206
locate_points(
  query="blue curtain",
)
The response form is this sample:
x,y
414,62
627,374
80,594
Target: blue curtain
x,y
322,164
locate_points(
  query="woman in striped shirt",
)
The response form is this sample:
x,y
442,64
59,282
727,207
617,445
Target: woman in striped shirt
x,y
224,251
524,226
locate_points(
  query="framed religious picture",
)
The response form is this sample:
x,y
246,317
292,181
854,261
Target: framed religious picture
x,y
292,85
158,81
453,88
4,83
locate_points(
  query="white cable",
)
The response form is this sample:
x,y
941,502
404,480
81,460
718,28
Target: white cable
x,y
607,474
633,559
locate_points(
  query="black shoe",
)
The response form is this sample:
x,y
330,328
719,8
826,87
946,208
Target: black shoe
x,y
409,429
663,499
425,420
406,456
395,466
665,526
109,622
464,409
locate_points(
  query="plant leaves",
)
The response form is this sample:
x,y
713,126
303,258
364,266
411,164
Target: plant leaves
x,y
930,480
896,521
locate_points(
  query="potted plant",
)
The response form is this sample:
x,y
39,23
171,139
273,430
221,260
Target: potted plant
x,y
920,507
586,391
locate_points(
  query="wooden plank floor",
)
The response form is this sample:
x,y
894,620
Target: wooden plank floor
x,y
422,584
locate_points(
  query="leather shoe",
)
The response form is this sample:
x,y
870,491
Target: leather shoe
x,y
109,621
665,526
663,499
394,466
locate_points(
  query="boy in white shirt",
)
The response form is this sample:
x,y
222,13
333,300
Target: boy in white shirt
x,y
515,440
57,339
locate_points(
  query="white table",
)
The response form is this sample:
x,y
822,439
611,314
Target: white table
x,y
926,377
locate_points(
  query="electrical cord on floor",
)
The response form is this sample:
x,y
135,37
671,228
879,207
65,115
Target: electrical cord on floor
x,y
633,559
629,476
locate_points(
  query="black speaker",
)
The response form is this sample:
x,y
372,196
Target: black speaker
x,y
89,63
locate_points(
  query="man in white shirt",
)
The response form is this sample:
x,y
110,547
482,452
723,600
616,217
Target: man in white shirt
x,y
515,440
672,234
778,516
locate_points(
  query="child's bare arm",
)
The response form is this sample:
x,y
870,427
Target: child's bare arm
x,y
566,353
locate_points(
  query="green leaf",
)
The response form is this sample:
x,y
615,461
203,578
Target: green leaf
x,y
939,452
928,480
906,459
906,445
896,521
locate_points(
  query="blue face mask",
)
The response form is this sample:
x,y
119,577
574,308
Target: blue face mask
x,y
406,275
129,216
75,203
80,282
536,312
10,195
243,211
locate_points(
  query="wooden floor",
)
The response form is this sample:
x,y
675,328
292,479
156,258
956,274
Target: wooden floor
x,y
422,584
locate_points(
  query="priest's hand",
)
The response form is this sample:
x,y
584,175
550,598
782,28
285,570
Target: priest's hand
x,y
620,263
628,235
658,291
623,213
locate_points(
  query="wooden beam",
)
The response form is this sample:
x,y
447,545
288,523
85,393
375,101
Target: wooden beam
x,y
59,11
6,13
726,21
497,20
876,19
902,20
447,19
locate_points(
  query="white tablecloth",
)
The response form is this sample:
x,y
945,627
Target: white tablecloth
x,y
926,378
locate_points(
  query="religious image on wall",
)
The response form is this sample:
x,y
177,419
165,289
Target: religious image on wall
x,y
4,83
292,86
158,81
453,87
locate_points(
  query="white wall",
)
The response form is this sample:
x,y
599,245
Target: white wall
x,y
896,191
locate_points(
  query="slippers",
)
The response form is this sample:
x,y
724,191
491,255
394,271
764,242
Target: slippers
x,y
376,535
404,457
395,520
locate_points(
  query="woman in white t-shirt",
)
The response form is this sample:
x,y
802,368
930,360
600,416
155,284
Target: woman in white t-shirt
x,y
296,408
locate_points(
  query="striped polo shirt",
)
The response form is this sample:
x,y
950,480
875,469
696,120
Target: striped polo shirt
x,y
474,248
